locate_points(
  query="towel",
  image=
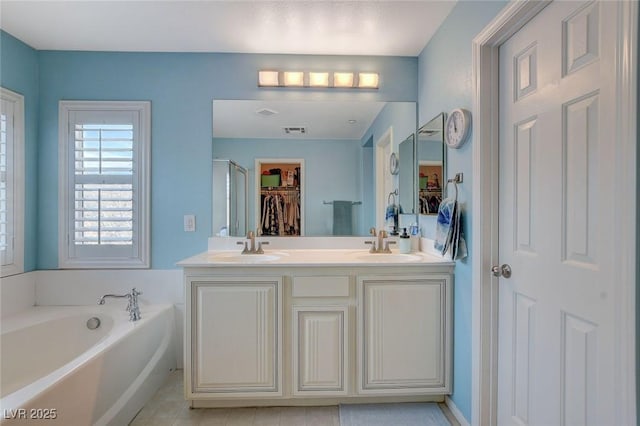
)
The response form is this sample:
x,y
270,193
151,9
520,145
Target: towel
x,y
449,236
342,218
444,225
391,218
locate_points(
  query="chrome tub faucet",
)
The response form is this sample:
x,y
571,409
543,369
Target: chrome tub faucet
x,y
132,305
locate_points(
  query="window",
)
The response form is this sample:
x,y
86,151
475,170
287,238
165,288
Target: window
x,y
11,182
104,184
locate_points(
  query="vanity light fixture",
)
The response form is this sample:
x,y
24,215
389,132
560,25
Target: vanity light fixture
x,y
319,79
368,80
268,78
342,79
293,78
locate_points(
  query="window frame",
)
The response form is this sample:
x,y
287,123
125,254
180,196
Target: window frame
x,y
67,257
18,193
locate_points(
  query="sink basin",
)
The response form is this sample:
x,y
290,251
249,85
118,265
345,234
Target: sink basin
x,y
387,257
244,258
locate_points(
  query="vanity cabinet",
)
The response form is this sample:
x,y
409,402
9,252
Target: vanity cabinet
x,y
305,335
236,329
320,345
403,324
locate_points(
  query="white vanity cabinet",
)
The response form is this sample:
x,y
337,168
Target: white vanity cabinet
x,y
236,336
320,331
403,334
317,334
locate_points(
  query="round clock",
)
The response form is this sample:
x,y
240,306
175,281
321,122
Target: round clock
x,y
457,127
393,164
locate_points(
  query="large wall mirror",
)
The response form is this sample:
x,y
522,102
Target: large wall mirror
x,y
431,165
338,143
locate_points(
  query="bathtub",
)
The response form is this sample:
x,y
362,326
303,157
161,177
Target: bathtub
x,y
55,370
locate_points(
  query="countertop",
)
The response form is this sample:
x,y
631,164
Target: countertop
x,y
311,258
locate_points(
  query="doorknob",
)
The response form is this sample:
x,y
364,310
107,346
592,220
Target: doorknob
x,y
501,271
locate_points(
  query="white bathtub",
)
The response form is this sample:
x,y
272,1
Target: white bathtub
x,y
57,371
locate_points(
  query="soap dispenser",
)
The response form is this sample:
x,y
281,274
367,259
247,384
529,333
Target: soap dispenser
x,y
405,242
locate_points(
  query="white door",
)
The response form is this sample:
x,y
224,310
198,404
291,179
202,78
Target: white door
x,y
556,312
384,178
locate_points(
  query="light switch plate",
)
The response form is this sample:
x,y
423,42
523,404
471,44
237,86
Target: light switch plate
x,y
189,223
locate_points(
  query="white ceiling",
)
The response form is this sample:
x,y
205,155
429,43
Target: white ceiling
x,y
322,119
389,28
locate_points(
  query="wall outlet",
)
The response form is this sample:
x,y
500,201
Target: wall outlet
x,y
189,223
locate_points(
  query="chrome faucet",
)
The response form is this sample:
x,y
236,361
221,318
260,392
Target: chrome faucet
x,y
251,249
382,235
132,306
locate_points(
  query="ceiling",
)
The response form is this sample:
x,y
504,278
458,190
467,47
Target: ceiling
x,y
321,119
388,28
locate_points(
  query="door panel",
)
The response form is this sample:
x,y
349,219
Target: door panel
x,y
556,312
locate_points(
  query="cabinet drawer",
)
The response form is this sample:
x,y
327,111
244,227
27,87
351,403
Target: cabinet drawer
x,y
321,286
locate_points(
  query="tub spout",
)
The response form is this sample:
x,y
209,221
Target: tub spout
x,y
132,307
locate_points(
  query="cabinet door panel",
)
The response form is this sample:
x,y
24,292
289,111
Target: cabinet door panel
x,y
236,335
402,332
319,344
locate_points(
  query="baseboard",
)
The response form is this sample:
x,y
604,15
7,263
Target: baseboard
x,y
456,412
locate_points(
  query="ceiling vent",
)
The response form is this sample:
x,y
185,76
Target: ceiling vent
x,y
266,112
295,130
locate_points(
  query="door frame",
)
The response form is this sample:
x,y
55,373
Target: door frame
x,y
381,194
485,225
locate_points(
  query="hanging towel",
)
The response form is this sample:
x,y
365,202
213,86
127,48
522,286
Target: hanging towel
x,y
342,218
391,218
449,236
444,225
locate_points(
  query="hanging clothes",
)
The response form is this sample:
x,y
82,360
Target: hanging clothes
x,y
280,213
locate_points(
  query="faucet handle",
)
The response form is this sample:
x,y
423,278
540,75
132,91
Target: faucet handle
x,y
260,244
135,292
386,246
246,249
373,246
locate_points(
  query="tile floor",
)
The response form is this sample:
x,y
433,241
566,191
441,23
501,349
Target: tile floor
x,y
168,408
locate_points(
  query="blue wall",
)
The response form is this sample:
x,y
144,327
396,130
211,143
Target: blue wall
x,y
444,83
19,73
181,87
332,171
401,117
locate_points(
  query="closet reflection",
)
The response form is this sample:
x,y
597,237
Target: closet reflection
x,y
278,211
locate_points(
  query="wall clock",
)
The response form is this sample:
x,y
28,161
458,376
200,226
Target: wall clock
x,y
393,164
457,127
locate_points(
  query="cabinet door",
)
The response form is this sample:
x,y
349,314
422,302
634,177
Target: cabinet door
x,y
237,336
319,350
403,335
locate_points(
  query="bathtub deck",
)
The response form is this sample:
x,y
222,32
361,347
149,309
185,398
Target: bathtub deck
x,y
168,408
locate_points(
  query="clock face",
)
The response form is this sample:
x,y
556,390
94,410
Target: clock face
x,y
457,128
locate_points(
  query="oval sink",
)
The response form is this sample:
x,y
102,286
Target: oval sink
x,y
388,257
243,258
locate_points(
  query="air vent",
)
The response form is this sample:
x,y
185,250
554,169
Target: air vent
x,y
295,130
266,112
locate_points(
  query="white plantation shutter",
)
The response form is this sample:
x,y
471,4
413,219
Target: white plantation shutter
x,y
6,183
106,148
11,182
